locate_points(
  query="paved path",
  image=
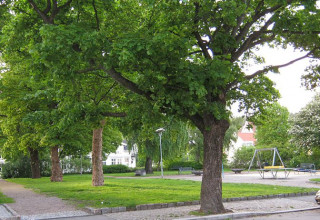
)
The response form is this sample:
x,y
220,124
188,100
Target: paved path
x,y
30,205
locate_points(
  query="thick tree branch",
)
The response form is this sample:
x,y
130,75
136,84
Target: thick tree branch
x,y
201,43
96,14
126,83
259,14
48,8
43,15
253,37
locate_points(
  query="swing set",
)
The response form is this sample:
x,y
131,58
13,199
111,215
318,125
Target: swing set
x,y
264,167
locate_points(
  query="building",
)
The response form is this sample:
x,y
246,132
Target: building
x,y
245,138
123,155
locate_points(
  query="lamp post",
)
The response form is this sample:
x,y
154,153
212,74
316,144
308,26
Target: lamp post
x,y
159,131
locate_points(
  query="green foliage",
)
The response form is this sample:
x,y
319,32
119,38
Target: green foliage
x,y
273,131
176,164
242,157
21,168
118,168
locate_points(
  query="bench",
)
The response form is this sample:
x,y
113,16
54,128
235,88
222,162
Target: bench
x,y
306,167
181,169
140,173
237,170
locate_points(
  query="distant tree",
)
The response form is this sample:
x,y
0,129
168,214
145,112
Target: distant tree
x,y
305,131
273,131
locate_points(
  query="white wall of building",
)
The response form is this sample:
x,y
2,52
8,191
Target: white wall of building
x,y
122,156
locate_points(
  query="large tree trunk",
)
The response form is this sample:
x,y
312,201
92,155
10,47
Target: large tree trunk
x,y
35,163
97,171
211,188
56,171
148,165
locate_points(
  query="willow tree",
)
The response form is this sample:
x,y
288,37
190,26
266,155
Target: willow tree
x,y
188,58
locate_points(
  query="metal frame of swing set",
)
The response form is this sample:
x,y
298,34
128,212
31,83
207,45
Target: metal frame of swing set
x,y
274,169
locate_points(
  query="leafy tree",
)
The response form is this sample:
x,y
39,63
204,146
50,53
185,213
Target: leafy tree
x,y
273,131
186,58
305,132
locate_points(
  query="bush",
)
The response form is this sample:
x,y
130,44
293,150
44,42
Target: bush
x,y
21,168
195,165
242,157
119,168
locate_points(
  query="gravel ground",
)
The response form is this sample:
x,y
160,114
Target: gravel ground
x,y
44,207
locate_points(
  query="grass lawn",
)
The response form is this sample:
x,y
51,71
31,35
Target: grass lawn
x,y
315,180
135,191
5,199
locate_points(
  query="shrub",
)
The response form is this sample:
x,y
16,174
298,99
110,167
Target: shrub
x,y
119,168
195,165
242,157
21,168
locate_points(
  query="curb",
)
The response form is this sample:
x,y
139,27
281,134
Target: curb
x,y
106,210
244,214
14,216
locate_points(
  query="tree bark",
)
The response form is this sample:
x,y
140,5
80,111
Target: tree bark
x,y
211,189
148,165
35,163
56,171
97,171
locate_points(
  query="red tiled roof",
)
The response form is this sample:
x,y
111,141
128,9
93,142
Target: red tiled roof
x,y
247,136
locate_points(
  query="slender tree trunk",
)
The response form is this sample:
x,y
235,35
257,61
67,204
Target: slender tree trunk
x,y
148,165
56,171
211,189
97,171
35,163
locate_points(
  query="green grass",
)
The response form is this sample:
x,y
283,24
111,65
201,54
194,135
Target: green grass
x,y
135,191
315,180
5,199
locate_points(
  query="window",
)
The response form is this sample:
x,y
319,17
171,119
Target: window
x,y
113,161
125,147
126,159
118,161
104,162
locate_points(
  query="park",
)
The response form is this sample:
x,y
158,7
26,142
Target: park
x,y
172,83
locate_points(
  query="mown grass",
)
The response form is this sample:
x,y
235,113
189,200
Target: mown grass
x,y
5,199
315,180
130,192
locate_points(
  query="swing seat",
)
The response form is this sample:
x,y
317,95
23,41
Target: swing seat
x,y
273,167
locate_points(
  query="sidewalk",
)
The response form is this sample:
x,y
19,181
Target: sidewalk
x,y
44,207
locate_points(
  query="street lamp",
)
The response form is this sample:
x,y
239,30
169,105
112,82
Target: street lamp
x,y
159,131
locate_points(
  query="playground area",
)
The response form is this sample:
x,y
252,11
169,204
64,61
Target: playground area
x,y
294,179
